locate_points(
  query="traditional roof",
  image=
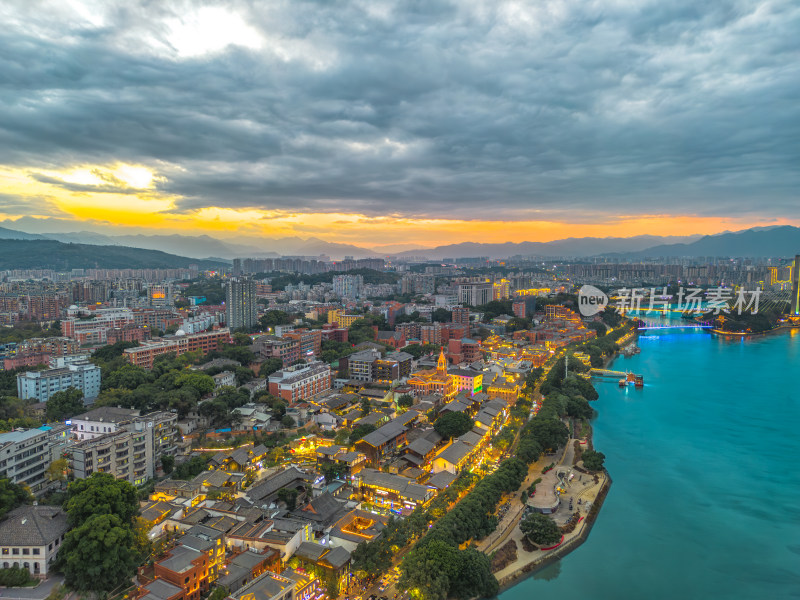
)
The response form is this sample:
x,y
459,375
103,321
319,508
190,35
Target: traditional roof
x,y
264,587
33,526
275,482
401,485
390,430
180,559
160,589
455,452
442,479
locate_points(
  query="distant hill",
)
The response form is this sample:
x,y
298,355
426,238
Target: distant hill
x,y
577,247
50,254
12,234
781,241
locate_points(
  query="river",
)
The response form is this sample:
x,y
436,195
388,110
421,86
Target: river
x,y
705,461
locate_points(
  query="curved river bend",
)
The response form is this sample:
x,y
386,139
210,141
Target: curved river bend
x,y
706,468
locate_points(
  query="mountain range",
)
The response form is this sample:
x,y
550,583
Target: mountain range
x,y
51,254
760,241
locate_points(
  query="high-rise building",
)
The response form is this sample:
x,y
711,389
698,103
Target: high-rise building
x,y
461,315
796,286
475,294
348,286
240,304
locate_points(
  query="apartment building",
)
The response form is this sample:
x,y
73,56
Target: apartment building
x,y
24,457
300,382
122,442
40,385
145,354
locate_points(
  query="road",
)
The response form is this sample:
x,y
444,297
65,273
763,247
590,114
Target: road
x,y
40,592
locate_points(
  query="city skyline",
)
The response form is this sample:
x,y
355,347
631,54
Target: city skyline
x,y
399,125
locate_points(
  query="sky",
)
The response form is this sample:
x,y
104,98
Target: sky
x,y
399,124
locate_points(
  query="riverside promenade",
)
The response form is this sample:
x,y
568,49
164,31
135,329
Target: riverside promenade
x,y
582,487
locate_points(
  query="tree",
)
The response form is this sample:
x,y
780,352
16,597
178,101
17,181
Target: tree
x,y
167,463
430,568
98,494
270,366
289,497
550,433
453,424
243,375
287,422
64,404
598,327
274,317
219,593
405,400
12,495
359,431
593,460
191,468
200,382
540,529
99,554
241,339
611,316
474,576
370,559
112,351
332,587
126,376
57,470
579,408
365,407
442,315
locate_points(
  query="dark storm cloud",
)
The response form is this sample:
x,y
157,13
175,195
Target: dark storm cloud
x,y
424,108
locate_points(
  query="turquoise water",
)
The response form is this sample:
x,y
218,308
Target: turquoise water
x,y
706,468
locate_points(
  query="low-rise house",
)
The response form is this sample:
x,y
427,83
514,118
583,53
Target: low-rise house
x,y
356,527
268,586
30,537
246,566
393,492
226,378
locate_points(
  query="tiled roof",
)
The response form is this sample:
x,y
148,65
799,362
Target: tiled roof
x,y
33,526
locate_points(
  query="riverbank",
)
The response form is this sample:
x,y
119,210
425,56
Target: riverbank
x,y
748,334
591,495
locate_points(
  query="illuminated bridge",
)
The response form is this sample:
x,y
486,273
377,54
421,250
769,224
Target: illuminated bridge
x,y
653,325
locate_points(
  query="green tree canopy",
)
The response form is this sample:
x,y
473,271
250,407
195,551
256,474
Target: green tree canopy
x,y
99,494
12,495
405,400
359,431
453,424
540,529
550,433
593,460
200,382
99,554
65,404
270,366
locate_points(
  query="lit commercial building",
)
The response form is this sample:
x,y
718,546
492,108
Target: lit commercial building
x,y
394,492
436,381
795,308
